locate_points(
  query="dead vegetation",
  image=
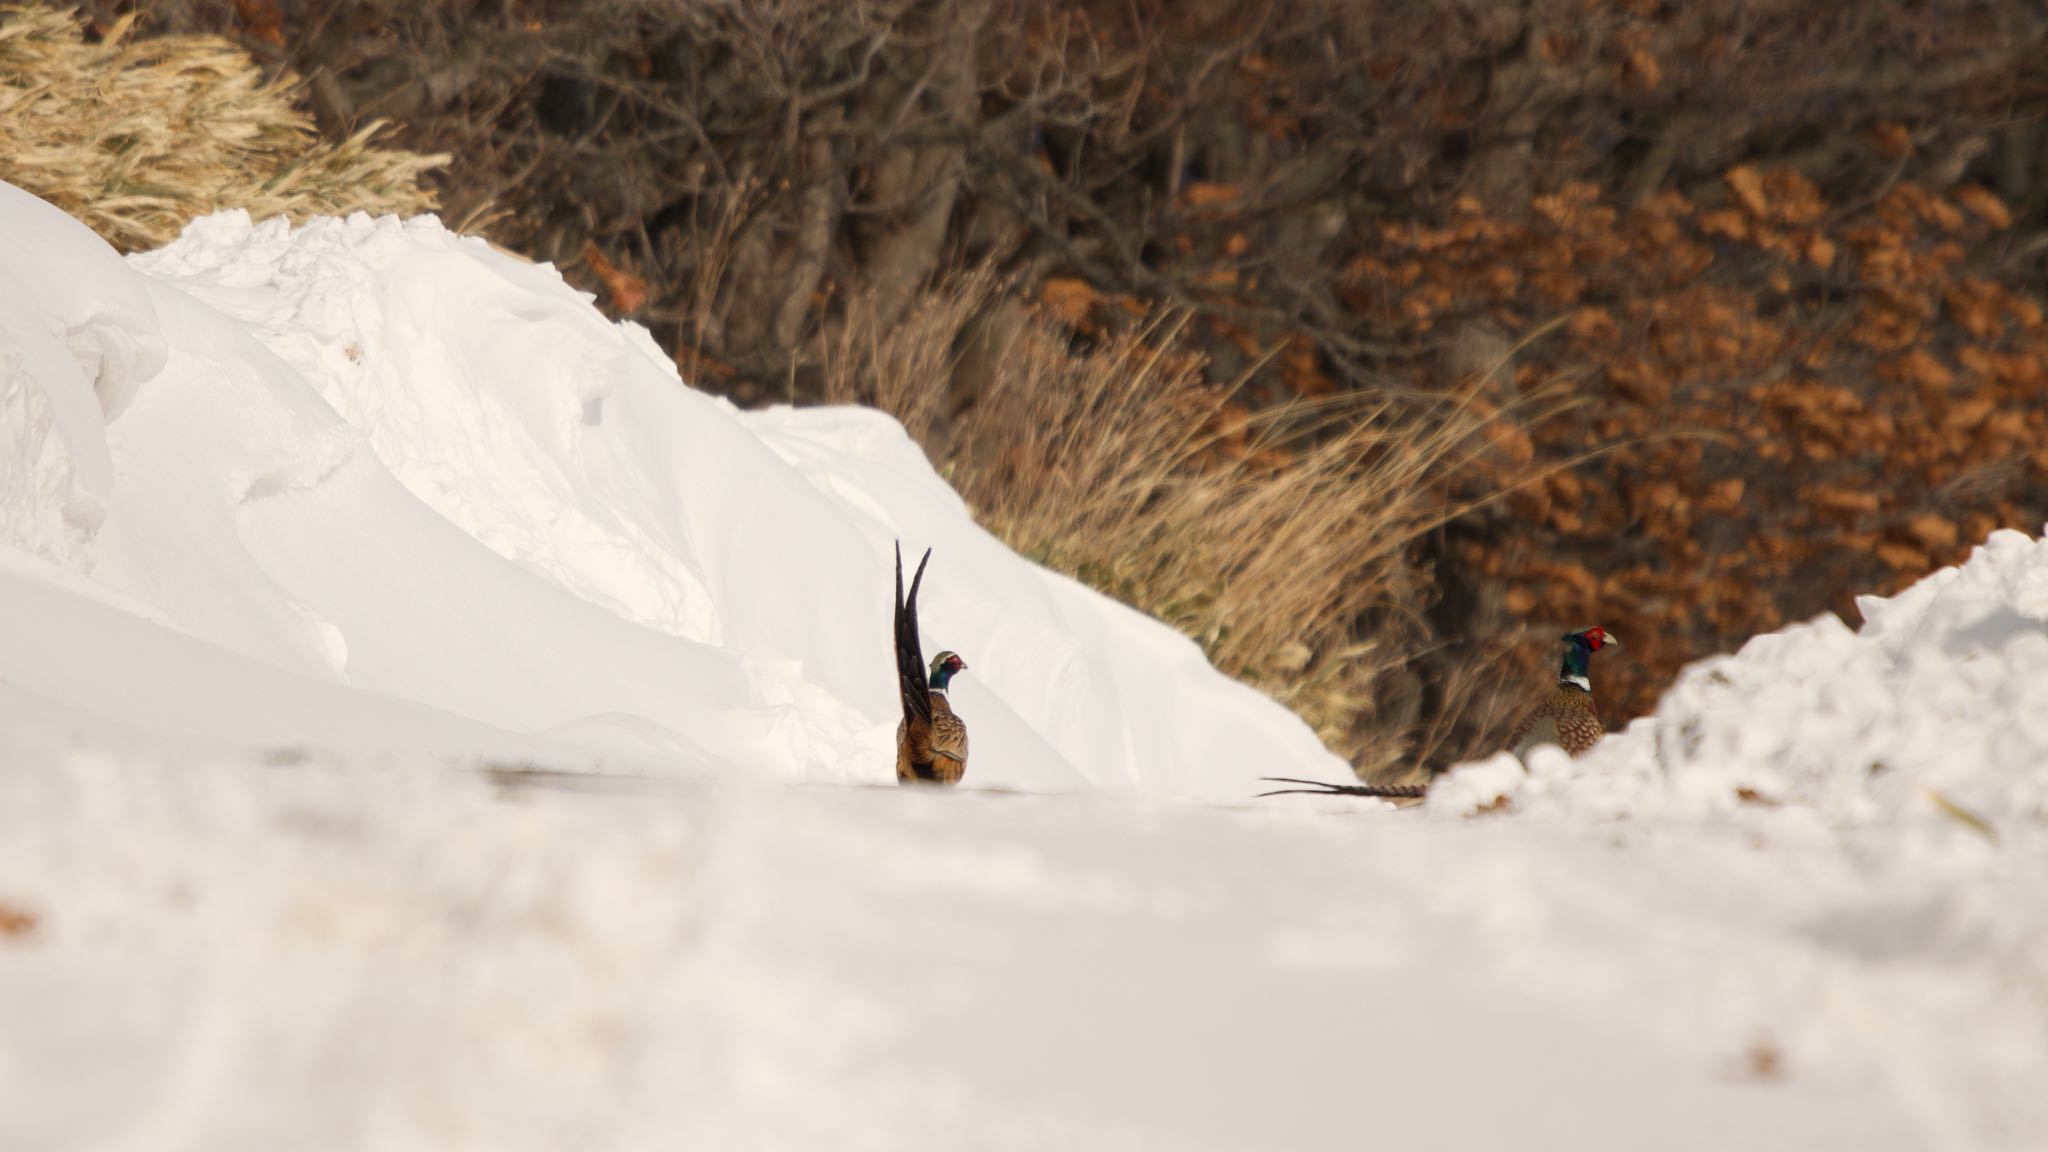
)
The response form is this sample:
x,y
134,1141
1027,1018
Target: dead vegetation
x,y
135,136
1279,538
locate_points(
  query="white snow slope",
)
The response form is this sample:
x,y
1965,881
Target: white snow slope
x,y
428,724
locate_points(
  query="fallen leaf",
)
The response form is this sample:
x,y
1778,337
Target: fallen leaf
x,y
1726,222
1892,140
1979,199
1923,369
1963,815
1748,186
16,922
628,292
1855,501
1642,69
1903,558
1204,194
1070,299
1724,495
1764,1060
1970,412
262,20
1936,533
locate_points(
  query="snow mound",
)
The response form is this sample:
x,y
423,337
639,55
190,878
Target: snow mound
x,y
373,460
1882,794
77,334
1932,718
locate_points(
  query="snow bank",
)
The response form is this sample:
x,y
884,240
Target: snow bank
x,y
77,335
373,455
1884,791
1932,718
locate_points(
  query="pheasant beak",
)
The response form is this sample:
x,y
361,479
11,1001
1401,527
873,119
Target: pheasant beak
x,y
1593,638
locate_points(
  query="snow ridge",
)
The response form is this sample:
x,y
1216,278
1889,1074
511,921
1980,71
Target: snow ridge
x,y
377,455
1885,791
1935,709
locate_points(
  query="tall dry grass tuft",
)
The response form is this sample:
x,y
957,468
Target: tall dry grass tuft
x,y
136,137
1280,540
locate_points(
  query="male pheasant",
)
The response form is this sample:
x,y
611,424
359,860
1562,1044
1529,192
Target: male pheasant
x,y
931,742
1566,717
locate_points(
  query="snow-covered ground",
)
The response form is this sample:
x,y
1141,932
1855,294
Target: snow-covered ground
x,y
428,724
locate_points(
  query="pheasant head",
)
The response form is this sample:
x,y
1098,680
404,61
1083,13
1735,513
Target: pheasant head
x,y
1579,646
943,667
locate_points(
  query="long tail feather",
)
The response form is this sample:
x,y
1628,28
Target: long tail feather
x,y
913,683
1320,788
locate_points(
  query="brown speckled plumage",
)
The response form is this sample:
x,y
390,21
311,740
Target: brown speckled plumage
x,y
934,753
931,741
1567,718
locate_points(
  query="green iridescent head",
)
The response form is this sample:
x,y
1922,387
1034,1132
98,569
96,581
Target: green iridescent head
x,y
1579,646
943,667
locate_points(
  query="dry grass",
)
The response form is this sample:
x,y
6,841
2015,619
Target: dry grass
x,y
1279,540
136,137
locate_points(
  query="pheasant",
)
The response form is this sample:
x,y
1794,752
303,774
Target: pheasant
x,y
931,742
1566,718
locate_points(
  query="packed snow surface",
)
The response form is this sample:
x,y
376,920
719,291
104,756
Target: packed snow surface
x,y
430,724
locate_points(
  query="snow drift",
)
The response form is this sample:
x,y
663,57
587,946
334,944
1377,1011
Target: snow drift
x,y
373,458
1902,770
1932,717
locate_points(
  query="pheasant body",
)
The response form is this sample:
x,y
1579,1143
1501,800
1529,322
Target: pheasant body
x,y
934,753
931,739
1566,718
